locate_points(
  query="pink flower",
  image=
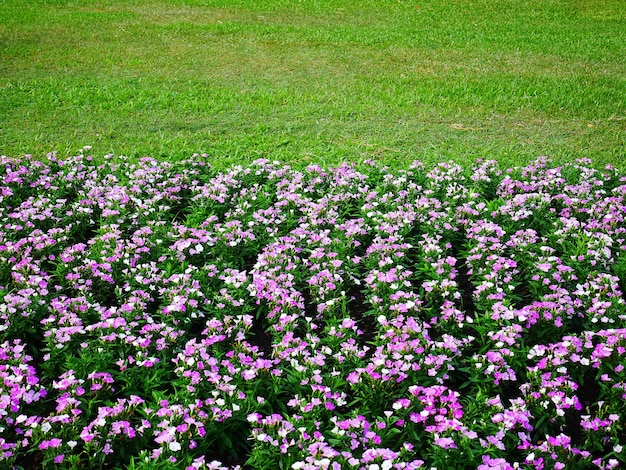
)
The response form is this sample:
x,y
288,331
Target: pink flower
x,y
445,442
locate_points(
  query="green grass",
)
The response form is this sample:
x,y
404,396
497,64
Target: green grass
x,y
316,81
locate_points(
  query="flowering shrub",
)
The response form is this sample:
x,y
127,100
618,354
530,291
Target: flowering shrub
x,y
169,315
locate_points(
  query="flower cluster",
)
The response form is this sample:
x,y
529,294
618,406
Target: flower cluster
x,y
170,315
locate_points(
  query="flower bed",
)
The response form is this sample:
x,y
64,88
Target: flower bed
x,y
158,315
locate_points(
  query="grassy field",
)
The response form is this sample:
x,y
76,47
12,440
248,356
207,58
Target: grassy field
x,y
316,81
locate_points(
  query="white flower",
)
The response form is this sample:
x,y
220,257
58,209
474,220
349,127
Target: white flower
x,y
174,446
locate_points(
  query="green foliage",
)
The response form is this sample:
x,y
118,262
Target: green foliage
x,y
619,269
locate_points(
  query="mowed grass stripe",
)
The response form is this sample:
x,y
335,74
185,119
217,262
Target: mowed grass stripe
x,y
315,81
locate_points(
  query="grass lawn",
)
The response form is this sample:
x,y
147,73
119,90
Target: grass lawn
x,y
316,81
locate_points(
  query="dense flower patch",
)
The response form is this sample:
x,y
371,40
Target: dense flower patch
x,y
157,315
